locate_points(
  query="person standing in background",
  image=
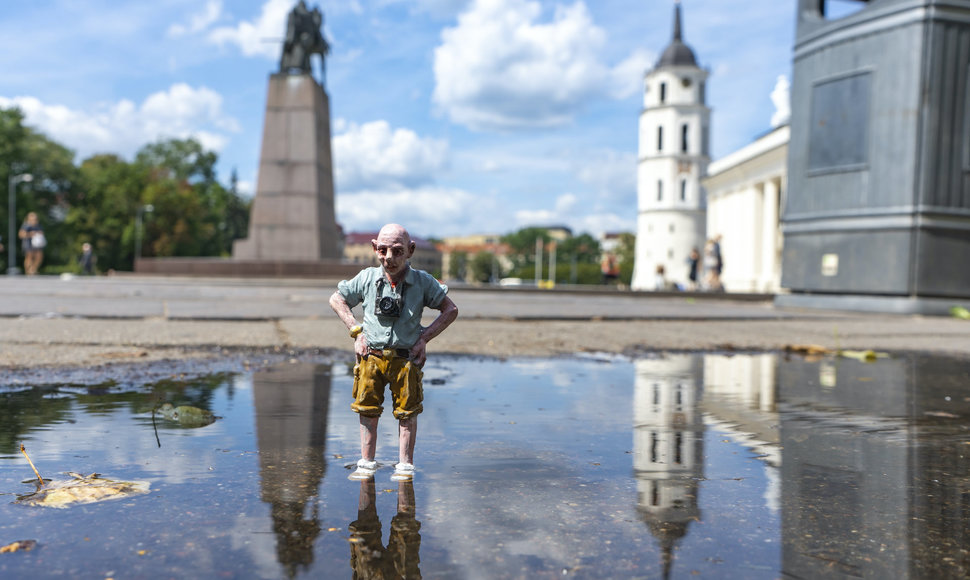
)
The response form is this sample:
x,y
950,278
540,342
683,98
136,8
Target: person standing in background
x,y
33,243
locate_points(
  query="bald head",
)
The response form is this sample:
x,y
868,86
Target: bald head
x,y
392,233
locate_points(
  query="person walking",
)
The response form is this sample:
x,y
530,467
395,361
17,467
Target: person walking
x,y
33,244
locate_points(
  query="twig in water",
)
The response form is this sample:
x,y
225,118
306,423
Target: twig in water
x,y
39,478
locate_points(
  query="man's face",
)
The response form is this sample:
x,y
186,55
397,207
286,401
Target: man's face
x,y
393,249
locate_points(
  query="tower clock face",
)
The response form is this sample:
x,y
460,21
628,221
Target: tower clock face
x,y
685,81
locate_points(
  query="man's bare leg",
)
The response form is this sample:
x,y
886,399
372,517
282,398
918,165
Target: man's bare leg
x,y
368,437
407,435
366,466
407,432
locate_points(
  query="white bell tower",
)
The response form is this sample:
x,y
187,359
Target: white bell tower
x,y
673,157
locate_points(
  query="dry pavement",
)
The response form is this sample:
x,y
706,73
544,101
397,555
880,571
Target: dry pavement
x,y
78,322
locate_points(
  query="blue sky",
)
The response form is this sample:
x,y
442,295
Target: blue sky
x,y
449,116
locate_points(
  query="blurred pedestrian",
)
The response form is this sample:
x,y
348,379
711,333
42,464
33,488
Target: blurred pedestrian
x,y
712,271
693,262
33,243
610,269
660,279
87,259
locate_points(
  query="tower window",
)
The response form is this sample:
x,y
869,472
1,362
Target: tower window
x,y
663,93
660,138
660,190
683,138
683,190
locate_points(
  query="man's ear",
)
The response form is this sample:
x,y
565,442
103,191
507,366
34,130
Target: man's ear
x,y
412,247
373,244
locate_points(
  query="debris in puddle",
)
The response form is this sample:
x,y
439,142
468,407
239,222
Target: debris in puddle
x,y
18,546
815,350
187,416
81,489
37,473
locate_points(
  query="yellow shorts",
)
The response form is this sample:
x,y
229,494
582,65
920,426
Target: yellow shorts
x,y
373,373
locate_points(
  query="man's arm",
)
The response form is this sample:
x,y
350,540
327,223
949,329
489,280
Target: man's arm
x,y
346,315
448,312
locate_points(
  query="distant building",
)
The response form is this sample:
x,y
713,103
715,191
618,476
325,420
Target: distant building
x,y
673,157
359,250
610,242
453,248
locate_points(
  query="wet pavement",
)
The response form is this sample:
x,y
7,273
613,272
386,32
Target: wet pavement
x,y
680,466
566,434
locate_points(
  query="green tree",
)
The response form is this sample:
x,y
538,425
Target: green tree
x,y
220,214
24,150
577,257
626,253
457,265
522,249
97,202
483,267
103,210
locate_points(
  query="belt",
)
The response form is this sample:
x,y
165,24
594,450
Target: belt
x,y
390,353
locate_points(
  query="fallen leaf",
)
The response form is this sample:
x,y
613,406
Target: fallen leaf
x,y
18,546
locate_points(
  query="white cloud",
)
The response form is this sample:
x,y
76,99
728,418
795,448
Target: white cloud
x,y
124,127
566,202
781,98
200,21
263,37
373,155
500,68
436,8
425,211
579,215
626,78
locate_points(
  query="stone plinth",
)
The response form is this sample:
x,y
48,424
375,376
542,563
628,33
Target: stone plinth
x,y
292,217
237,268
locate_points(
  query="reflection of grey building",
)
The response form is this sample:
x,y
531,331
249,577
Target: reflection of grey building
x,y
668,446
878,206
875,478
291,404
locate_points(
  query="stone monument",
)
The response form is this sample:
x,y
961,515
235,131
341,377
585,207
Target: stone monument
x,y
292,217
877,215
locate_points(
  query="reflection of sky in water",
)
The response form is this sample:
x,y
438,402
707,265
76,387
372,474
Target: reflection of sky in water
x,y
584,467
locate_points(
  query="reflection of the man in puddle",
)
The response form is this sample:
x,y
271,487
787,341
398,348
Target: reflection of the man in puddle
x,y
368,556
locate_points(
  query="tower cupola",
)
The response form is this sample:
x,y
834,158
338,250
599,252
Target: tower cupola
x,y
677,52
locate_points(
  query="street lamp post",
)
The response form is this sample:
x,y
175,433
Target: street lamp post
x,y
142,209
12,182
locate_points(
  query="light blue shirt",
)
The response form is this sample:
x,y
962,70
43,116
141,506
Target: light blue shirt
x,y
420,290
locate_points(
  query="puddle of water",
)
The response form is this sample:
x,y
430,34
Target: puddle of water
x,y
688,465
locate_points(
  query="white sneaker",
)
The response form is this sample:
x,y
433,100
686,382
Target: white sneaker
x,y
365,470
403,472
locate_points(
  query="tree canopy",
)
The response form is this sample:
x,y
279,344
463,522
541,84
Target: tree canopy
x,y
170,184
577,257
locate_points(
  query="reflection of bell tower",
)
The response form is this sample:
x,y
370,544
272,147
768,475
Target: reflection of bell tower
x,y
668,439
291,405
672,159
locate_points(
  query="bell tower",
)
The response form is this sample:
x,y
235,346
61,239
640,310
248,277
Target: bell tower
x,y
673,156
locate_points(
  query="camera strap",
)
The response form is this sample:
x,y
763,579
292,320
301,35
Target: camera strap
x,y
380,288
